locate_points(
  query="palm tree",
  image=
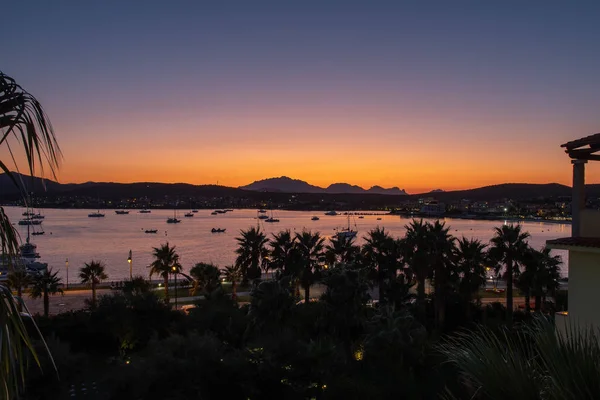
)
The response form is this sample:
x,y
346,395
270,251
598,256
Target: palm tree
x,y
91,274
380,253
281,255
206,277
442,251
310,250
341,250
539,277
471,260
251,252
233,274
22,120
509,247
45,284
415,247
17,280
166,261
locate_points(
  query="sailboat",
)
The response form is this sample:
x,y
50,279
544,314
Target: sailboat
x,y
173,220
271,219
190,213
346,232
121,212
96,214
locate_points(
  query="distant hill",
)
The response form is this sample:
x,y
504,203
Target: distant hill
x,y
271,191
282,184
285,184
379,190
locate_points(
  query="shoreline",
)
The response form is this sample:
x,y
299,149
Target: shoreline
x,y
375,212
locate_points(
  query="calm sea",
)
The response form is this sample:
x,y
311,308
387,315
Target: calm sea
x,y
72,234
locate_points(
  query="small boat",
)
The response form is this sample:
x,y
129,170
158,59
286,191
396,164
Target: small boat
x,y
145,211
271,220
347,232
151,231
263,217
378,219
97,214
28,213
218,230
214,213
220,211
229,210
194,211
262,211
189,214
29,221
315,218
173,220
37,216
331,213
121,212
38,233
361,217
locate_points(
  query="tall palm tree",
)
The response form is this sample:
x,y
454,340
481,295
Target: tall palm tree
x,y
233,274
251,252
166,261
380,253
44,285
91,274
341,250
539,277
24,123
281,254
471,260
206,277
18,280
509,247
442,251
310,249
415,247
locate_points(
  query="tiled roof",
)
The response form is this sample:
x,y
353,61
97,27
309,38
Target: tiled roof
x,y
591,242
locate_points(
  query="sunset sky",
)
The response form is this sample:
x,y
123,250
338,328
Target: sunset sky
x,y
415,94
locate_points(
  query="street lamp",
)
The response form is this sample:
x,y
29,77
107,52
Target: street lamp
x,y
67,266
175,274
130,266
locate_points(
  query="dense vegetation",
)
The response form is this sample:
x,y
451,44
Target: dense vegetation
x,y
132,344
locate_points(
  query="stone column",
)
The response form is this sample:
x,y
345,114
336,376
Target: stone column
x,y
578,197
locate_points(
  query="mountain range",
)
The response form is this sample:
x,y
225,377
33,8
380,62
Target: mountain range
x,y
288,185
277,190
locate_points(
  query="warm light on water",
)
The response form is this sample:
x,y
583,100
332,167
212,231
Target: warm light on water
x,y
72,234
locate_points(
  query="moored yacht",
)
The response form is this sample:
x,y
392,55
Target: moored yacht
x,y
331,213
145,211
315,218
96,214
121,212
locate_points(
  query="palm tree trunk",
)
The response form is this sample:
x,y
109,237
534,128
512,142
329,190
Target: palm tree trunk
x,y
20,296
538,302
421,298
166,278
307,294
468,300
46,304
527,299
509,292
440,303
233,290
297,293
381,287
93,295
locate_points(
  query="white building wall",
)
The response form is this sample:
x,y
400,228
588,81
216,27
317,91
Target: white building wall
x,y
584,288
590,223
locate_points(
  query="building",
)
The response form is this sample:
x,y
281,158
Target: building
x,y
584,243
